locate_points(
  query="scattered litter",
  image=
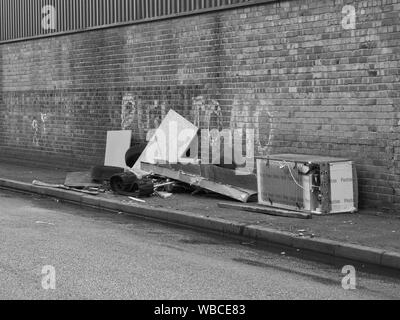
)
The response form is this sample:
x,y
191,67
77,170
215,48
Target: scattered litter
x,y
145,188
80,180
248,243
124,183
167,184
99,190
45,223
128,184
265,210
60,186
163,195
136,199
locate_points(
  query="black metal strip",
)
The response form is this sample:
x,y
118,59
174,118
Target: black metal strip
x,y
24,22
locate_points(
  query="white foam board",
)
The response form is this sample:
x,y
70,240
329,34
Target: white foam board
x,y
118,143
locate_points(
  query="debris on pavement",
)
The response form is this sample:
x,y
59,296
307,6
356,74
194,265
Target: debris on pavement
x,y
80,180
60,186
100,174
160,147
265,210
45,223
137,200
133,154
118,143
124,183
162,168
317,184
203,177
163,195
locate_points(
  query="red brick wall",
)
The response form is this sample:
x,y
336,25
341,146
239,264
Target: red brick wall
x,y
287,69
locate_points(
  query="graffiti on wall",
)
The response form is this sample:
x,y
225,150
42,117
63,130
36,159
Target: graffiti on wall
x,y
128,112
257,115
35,129
144,117
205,113
141,116
39,129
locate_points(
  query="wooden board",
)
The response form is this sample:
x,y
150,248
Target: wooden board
x,y
61,186
170,142
233,192
265,210
217,174
118,143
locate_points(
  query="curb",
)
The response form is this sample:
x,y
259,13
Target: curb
x,y
332,248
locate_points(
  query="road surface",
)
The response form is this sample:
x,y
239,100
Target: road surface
x,y
100,255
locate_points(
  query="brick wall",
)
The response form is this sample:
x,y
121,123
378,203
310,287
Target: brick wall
x,y
287,69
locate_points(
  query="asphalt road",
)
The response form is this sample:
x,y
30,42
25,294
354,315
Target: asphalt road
x,y
100,255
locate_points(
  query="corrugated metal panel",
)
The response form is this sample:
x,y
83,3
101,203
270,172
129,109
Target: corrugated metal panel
x,y
21,19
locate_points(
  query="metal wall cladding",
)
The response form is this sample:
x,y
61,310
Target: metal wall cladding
x,y
21,19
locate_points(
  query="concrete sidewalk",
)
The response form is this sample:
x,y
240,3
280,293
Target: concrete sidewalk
x,y
368,237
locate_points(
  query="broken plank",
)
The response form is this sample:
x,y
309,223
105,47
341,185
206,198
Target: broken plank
x,y
192,169
247,181
60,186
265,210
240,194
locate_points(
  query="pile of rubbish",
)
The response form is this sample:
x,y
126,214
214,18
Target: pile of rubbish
x,y
141,171
287,185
